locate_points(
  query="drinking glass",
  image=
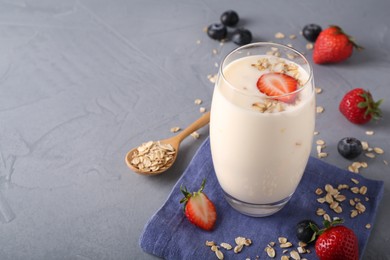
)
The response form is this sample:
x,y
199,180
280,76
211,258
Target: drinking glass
x,y
261,141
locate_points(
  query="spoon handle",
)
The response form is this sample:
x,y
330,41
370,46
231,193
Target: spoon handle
x,y
199,123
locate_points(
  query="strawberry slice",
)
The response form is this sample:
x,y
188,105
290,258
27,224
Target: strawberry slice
x,y
277,84
198,208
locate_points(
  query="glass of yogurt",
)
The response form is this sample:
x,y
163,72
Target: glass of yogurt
x,y
262,125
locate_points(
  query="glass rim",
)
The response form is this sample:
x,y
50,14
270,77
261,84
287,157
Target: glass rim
x,y
278,45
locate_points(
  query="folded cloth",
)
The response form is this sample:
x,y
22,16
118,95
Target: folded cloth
x,y
169,235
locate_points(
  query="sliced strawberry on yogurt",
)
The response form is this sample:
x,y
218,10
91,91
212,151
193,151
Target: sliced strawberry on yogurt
x,y
277,85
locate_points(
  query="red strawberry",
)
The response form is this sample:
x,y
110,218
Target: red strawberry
x,y
359,107
278,84
333,45
336,242
198,208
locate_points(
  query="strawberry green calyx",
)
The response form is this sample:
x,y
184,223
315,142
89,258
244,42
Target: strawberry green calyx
x,y
350,38
187,194
327,225
371,107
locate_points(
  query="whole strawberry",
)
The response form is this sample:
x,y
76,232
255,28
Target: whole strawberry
x,y
333,46
359,107
198,208
336,242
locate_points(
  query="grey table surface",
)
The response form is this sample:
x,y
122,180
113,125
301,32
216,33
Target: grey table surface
x,y
83,81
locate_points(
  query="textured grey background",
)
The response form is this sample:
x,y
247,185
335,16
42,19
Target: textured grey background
x,y
83,81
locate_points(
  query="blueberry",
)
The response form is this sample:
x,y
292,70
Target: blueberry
x,y
229,18
350,147
242,36
311,32
303,230
217,31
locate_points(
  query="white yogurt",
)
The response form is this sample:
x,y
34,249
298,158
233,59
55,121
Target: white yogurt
x,y
258,157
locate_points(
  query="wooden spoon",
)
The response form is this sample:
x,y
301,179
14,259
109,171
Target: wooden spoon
x,y
173,141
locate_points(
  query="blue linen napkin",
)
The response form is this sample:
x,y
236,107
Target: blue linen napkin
x,y
169,235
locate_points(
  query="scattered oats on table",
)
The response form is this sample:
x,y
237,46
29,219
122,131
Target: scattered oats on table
x,y
279,35
318,90
378,150
198,101
212,77
175,129
202,109
309,46
319,109
195,135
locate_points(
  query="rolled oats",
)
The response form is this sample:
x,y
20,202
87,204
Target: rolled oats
x,y
286,245
198,101
226,246
320,212
363,190
360,207
321,200
238,248
210,243
153,156
355,190
354,213
195,135
175,129
340,197
319,191
309,46
270,251
334,205
295,255
214,248
327,217
282,240
279,35
219,254
240,240
338,209
370,155
212,77
322,155
319,109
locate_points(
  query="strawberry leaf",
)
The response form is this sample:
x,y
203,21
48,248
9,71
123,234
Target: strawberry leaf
x,y
362,104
